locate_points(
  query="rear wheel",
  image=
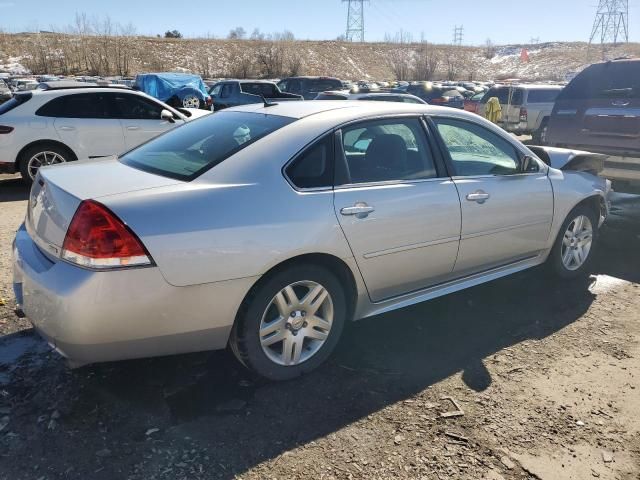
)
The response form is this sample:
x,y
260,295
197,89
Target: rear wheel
x,y
40,156
291,323
574,248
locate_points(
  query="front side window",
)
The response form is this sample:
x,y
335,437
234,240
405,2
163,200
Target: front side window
x,y
475,151
127,106
186,152
314,167
387,150
215,91
226,91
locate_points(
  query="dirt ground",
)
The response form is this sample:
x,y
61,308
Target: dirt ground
x,y
521,378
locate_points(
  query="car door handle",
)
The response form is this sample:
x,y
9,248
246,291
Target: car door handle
x,y
67,128
133,127
360,209
479,196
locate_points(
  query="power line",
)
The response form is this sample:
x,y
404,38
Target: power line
x,y
611,23
355,20
458,33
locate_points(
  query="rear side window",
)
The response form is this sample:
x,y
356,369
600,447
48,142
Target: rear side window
x,y
314,167
542,96
186,152
14,102
81,105
605,80
503,94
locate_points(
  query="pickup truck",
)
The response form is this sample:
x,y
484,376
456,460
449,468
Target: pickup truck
x,y
231,93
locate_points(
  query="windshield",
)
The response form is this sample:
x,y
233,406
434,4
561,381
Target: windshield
x,y
187,152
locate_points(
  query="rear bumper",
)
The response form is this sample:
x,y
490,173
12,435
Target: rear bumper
x,y
7,167
90,316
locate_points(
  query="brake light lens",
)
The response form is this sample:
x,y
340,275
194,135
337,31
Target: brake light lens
x,y
209,101
523,114
439,100
96,238
5,129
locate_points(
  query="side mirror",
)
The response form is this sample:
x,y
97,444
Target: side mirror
x,y
529,165
167,115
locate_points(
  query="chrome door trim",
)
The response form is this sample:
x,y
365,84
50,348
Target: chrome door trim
x,y
389,183
503,229
410,247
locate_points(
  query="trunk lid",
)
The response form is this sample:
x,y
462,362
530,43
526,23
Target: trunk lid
x,y
58,190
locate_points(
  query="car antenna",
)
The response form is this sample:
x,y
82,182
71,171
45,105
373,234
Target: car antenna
x,y
266,103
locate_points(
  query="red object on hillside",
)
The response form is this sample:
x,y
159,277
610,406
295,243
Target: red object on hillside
x,y
524,56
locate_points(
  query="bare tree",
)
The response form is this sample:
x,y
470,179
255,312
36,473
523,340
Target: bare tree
x,y
237,33
427,61
489,49
243,66
399,58
257,35
271,59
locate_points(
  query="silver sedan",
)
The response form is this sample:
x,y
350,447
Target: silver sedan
x,y
266,228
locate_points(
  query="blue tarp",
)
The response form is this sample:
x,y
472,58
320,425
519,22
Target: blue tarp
x,y
163,86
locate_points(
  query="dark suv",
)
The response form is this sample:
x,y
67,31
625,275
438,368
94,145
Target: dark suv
x,y
599,111
309,87
437,95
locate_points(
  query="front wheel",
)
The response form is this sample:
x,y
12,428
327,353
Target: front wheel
x,y
573,251
291,323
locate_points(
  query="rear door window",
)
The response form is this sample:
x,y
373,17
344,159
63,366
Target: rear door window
x,y
321,85
186,152
80,105
128,106
264,89
610,80
227,90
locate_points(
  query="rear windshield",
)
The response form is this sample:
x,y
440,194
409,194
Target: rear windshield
x,y
503,95
18,99
187,152
605,80
322,84
543,96
264,89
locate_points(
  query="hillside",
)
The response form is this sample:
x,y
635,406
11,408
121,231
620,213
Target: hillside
x,y
113,55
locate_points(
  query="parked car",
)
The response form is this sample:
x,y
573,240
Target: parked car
x,y
433,95
266,228
58,125
599,110
232,93
25,85
5,92
175,89
375,96
525,108
309,87
471,104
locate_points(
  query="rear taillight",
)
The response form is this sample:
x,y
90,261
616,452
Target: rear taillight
x,y
439,100
96,238
5,129
523,114
209,101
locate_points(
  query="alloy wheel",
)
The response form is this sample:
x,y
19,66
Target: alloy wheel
x,y
296,323
42,159
577,242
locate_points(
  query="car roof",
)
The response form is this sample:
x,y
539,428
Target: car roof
x,y
357,108
87,89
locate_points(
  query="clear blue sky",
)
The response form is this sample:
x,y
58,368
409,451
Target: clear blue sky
x,y
504,21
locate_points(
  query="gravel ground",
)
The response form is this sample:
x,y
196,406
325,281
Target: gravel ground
x,y
522,378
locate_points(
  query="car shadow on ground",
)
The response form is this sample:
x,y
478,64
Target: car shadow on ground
x,y
13,189
242,421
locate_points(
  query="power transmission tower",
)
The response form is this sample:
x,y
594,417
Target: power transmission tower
x,y
611,24
458,33
355,20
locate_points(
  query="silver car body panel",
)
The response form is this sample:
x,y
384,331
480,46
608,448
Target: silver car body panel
x,y
213,238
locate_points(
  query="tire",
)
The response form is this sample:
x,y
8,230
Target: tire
x,y
270,361
559,262
52,153
190,101
539,137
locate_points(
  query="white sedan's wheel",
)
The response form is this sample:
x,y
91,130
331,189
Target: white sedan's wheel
x,y
42,159
191,101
